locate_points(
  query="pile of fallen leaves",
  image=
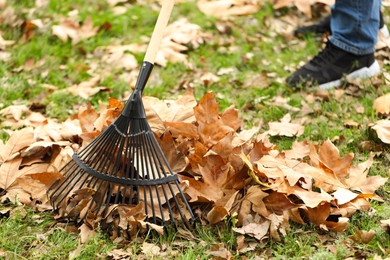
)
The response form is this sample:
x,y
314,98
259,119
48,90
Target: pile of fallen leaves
x,y
225,171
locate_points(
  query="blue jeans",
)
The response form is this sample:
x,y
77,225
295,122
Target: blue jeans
x,y
354,25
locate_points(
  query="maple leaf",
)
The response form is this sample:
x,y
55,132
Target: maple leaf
x,y
87,116
222,207
176,159
328,156
210,126
359,181
251,202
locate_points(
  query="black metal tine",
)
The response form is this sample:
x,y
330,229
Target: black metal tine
x,y
101,140
156,169
98,140
146,154
102,199
57,185
157,157
64,194
140,166
184,199
121,156
114,170
131,164
103,164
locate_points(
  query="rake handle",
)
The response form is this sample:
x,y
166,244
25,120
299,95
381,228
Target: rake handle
x,y
161,24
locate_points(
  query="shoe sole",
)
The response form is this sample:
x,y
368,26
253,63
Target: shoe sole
x,y
385,31
362,73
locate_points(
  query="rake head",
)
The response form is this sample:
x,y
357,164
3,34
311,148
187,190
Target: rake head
x,y
124,165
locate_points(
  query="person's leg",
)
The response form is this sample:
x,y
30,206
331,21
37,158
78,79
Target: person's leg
x,y
350,50
354,25
323,26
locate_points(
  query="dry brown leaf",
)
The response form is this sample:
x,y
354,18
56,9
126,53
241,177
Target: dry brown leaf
x,y
216,214
69,29
186,33
251,202
15,111
382,129
328,158
86,233
178,38
343,196
87,88
220,251
4,43
201,192
210,126
9,172
117,56
180,110
363,237
121,254
386,224
303,5
285,128
278,203
299,150
150,250
256,230
18,141
176,159
311,198
226,8
359,181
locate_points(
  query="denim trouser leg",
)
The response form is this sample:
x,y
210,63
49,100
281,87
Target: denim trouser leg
x,y
355,24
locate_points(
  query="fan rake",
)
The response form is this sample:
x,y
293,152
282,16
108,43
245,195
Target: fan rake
x,y
125,164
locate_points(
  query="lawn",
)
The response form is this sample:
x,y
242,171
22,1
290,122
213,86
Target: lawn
x,y
243,60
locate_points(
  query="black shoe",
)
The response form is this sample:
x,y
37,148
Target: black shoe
x,y
323,26
327,69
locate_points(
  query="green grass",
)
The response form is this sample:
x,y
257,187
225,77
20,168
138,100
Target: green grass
x,y
25,236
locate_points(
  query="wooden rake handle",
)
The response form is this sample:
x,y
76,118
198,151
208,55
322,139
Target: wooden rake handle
x,y
158,32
